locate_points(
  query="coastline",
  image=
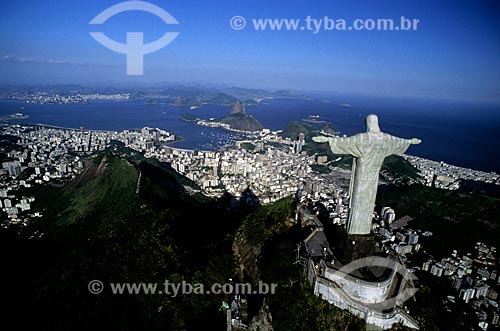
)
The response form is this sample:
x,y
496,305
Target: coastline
x,y
474,150
215,124
416,161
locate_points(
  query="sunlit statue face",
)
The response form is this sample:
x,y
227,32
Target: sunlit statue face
x,y
372,123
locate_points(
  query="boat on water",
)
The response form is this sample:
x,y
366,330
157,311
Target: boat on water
x,y
314,119
14,116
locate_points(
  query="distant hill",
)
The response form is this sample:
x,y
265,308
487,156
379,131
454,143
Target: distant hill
x,y
184,101
220,99
294,128
242,122
239,120
189,98
238,108
251,102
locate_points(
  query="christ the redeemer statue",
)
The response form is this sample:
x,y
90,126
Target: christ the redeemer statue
x,y
369,150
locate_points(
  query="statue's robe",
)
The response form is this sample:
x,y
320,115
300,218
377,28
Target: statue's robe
x,y
369,150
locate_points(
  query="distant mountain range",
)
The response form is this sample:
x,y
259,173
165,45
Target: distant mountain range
x,y
177,95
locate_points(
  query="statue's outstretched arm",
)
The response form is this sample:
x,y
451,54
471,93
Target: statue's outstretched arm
x,y
396,145
342,145
415,141
321,139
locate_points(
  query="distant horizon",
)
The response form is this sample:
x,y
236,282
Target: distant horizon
x,y
326,93
452,54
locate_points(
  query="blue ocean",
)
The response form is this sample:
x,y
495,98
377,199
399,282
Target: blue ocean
x,y
463,134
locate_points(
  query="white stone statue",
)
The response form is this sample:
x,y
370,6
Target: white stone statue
x,y
369,150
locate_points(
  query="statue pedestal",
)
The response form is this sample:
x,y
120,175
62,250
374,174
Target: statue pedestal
x,y
351,247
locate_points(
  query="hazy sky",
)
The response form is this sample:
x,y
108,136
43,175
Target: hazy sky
x,y
455,53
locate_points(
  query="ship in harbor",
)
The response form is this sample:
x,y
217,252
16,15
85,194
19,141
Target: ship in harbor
x,y
14,116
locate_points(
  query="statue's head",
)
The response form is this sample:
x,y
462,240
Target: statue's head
x,y
372,123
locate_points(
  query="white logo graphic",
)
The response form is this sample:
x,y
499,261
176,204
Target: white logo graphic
x,y
406,288
135,49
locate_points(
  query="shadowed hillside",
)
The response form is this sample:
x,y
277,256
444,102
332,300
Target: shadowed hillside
x,y
121,220
458,219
